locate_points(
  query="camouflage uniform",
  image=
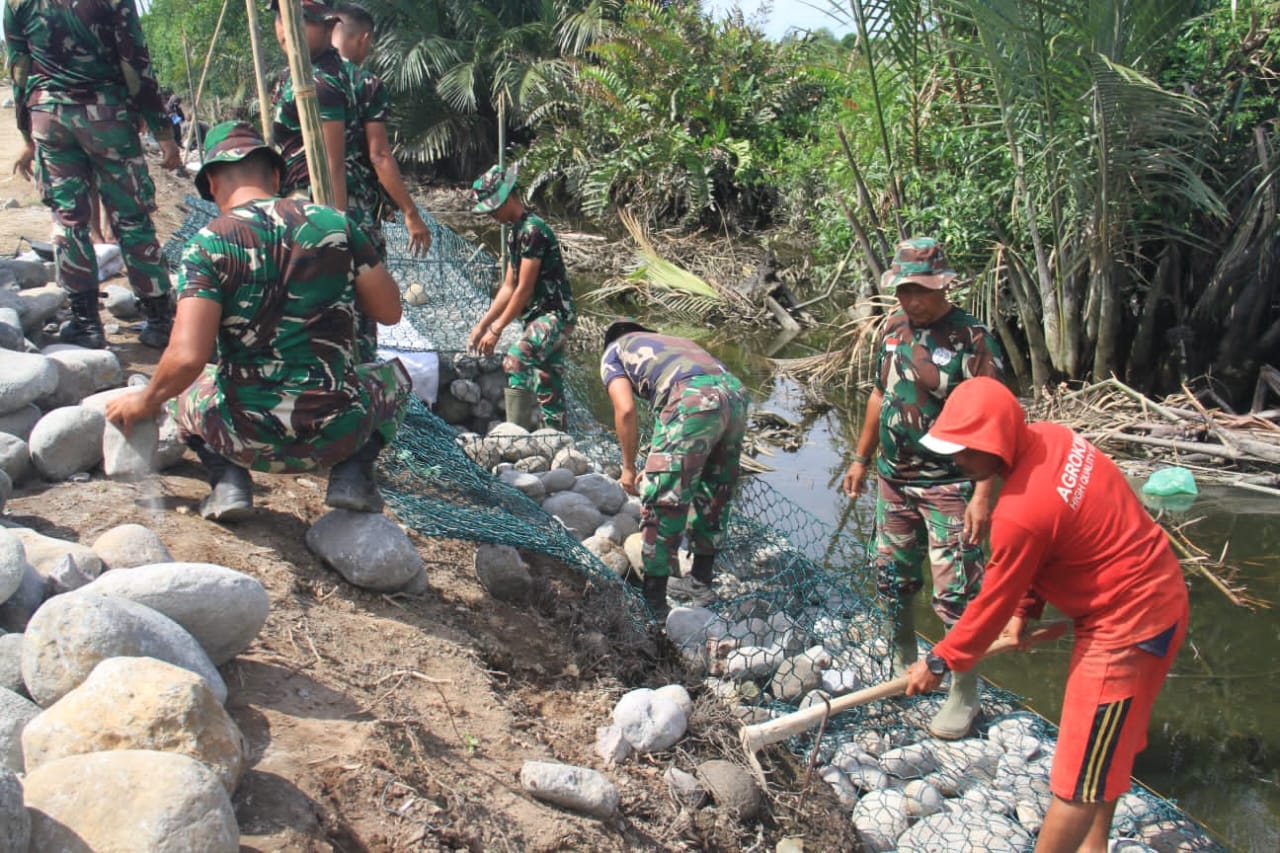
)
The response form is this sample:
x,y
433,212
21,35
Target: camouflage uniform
x,y
694,455
367,203
80,69
922,498
535,362
286,393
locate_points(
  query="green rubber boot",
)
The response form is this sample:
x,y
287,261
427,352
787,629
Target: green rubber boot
x,y
905,651
520,407
655,595
954,719
231,498
353,483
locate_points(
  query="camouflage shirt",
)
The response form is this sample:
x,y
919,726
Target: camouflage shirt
x,y
336,101
86,52
916,368
373,104
656,364
284,272
532,238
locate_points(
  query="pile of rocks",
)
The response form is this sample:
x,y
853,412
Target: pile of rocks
x,y
471,391
109,683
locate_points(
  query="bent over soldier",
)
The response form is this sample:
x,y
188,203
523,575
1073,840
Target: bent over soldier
x,y
79,70
694,458
275,284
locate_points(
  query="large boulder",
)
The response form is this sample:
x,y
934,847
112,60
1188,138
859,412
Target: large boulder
x,y
13,564
368,549
81,372
132,456
222,608
650,721
503,573
604,492
15,712
11,664
27,274
26,378
18,608
67,441
732,788
41,304
139,703
15,823
46,552
128,545
71,634
20,422
15,457
130,799
576,512
11,334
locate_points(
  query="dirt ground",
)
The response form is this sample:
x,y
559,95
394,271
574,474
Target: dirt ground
x,y
396,723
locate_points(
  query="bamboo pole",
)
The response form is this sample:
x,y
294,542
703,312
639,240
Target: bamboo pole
x,y
264,108
204,72
191,93
304,94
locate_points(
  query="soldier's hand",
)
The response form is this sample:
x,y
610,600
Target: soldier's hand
x,y
487,343
23,165
170,157
127,409
419,234
628,481
855,479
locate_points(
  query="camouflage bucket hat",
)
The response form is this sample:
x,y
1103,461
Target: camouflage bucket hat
x,y
231,142
317,11
920,261
492,188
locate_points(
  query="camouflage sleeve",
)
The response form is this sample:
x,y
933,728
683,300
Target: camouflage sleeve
x,y
19,67
135,64
611,365
533,243
375,101
198,272
986,358
363,254
330,98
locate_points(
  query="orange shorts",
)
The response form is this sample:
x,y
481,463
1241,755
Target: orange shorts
x,y
1105,714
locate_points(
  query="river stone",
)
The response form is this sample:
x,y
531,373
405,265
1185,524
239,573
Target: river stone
x,y
493,386
732,788
619,527
15,712
6,489
921,799
27,274
575,461
42,304
128,545
15,823
964,830
16,611
11,663
689,627
678,694
798,675
15,459
612,745
575,511
558,480
121,303
26,378
909,762
132,456
605,493
466,367
576,788
533,465
685,788
465,391
11,335
529,484
45,553
368,549
879,819
67,441
170,445
503,573
71,634
81,372
20,423
844,790
222,608
453,411
649,722
139,703
174,804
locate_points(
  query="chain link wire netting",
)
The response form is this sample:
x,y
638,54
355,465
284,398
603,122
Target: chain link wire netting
x,y
797,618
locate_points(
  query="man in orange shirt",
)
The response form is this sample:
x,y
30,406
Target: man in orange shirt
x,y
1068,530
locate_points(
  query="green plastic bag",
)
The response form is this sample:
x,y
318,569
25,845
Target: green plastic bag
x,y
1170,481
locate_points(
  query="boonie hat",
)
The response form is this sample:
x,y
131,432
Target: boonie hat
x,y
231,142
491,189
919,260
618,328
317,11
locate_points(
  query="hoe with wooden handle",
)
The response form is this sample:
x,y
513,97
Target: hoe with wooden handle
x,y
762,734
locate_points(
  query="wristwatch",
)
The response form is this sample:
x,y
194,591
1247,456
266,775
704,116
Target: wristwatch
x,y
936,664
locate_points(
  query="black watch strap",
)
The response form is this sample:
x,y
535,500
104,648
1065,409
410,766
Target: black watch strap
x,y
936,665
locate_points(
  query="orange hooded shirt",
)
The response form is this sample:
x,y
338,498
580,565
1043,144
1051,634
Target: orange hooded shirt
x,y
1067,529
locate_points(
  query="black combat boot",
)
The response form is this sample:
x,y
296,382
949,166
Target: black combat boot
x,y
696,588
84,328
351,482
159,313
232,495
655,595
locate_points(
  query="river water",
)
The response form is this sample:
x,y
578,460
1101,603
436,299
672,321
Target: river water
x,y
1214,741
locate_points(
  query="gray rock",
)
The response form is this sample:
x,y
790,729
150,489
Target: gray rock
x,y
962,830
533,464
618,528
880,817
66,575
503,573
81,372
27,274
493,386
465,391
71,634
844,790
678,694
11,335
611,745
6,489
15,713
569,458
685,788
572,787
558,480
529,484
650,722
45,553
15,458
798,675
42,304
25,379
633,508
689,627
368,549
222,608
466,367
576,512
133,456
732,788
453,411
606,494
170,446
11,664
175,804
16,611
67,441
15,823
121,303
128,545
19,423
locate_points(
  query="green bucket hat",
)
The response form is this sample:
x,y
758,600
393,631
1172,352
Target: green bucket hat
x,y
492,188
919,260
316,11
231,142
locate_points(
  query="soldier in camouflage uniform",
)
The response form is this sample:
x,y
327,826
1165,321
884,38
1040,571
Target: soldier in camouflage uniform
x,y
275,283
78,69
535,289
925,509
700,418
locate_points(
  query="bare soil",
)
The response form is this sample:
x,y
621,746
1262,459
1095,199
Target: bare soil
x,y
396,723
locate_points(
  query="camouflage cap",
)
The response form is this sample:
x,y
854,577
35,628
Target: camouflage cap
x,y
317,11
492,188
231,142
920,261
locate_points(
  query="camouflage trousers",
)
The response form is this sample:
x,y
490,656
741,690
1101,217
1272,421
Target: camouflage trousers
x,y
915,523
79,147
266,440
535,363
692,468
